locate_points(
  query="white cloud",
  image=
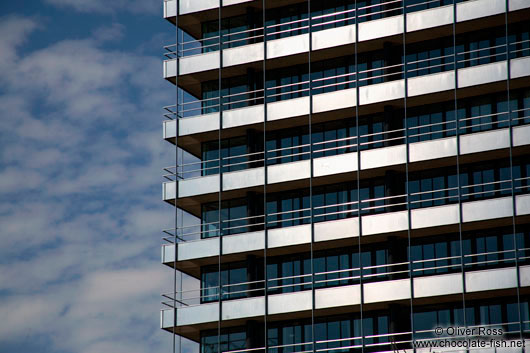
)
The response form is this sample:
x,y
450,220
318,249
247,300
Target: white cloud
x,y
81,157
111,33
112,309
113,287
103,6
14,31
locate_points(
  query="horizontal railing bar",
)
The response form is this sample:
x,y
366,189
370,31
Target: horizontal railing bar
x,y
333,14
313,25
436,268
301,28
312,19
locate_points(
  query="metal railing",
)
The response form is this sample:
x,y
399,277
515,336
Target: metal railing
x,y
364,77
385,342
350,144
350,276
317,22
420,199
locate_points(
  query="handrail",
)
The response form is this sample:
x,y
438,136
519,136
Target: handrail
x,y
213,164
317,22
361,274
367,201
337,147
347,209
234,100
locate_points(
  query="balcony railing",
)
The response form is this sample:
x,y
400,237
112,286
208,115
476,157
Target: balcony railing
x,y
351,144
386,342
422,199
343,277
412,68
301,26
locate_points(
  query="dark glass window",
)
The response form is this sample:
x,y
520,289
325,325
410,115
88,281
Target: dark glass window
x,y
377,130
485,180
373,326
332,268
520,106
371,67
285,146
232,275
433,187
286,21
323,18
419,5
493,248
291,337
285,274
502,312
434,256
525,314
483,113
330,202
430,57
291,273
234,217
371,130
290,20
236,154
336,267
230,339
236,31
431,122
236,92
473,48
519,39
481,47
333,202
332,75
210,220
332,138
521,175
287,83
288,209
481,249
369,10
427,318
331,333
334,332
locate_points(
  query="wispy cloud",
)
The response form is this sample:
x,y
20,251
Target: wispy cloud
x,y
81,156
104,6
114,32
14,32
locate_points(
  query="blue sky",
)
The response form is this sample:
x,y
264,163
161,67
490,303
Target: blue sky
x,y
81,96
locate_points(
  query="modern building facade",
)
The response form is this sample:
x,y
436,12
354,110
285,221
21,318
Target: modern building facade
x,y
360,172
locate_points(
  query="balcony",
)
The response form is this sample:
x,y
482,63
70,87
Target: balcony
x,y
425,79
375,21
199,244
362,156
249,171
192,6
196,316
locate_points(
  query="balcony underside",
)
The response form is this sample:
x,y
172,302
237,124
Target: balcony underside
x,y
377,228
336,42
474,147
291,113
328,301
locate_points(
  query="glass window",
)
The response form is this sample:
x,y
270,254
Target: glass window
x,y
230,339
233,276
490,248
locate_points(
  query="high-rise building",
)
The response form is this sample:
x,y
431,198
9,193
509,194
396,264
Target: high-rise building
x,y
350,175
